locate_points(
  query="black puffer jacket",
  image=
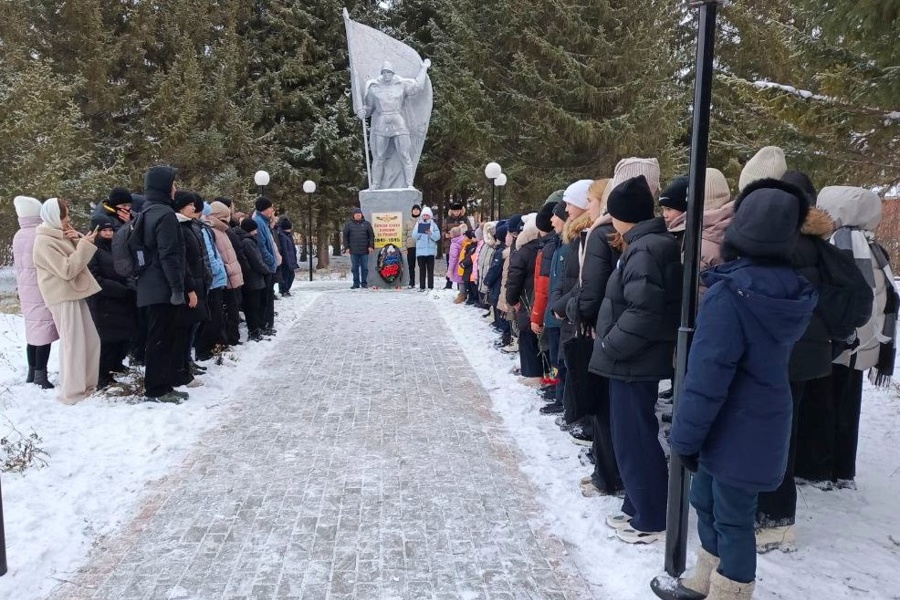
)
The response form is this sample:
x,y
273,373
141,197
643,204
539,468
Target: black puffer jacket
x,y
567,285
599,261
812,355
638,320
163,241
520,280
195,274
114,309
358,236
252,266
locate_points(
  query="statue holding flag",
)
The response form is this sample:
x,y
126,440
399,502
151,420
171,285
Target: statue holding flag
x,y
390,84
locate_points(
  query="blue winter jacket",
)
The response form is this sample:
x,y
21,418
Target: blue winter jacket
x,y
216,264
265,242
427,244
493,279
556,272
736,409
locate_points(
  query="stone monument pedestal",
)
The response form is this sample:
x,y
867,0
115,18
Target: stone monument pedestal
x,y
388,201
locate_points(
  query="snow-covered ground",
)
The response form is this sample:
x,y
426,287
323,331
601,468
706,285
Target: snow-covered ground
x,y
848,541
103,454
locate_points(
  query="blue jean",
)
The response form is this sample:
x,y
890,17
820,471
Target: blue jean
x,y
642,463
725,522
287,279
359,264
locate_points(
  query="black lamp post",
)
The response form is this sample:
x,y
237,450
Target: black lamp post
x,y
309,187
493,171
2,538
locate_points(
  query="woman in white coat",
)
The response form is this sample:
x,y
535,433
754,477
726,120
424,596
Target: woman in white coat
x,y
61,257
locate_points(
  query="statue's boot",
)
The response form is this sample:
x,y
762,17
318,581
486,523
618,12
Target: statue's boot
x,y
409,174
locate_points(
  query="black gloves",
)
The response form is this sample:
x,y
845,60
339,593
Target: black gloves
x,y
177,298
691,463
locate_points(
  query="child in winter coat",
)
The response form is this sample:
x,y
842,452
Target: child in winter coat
x,y
456,241
733,424
466,268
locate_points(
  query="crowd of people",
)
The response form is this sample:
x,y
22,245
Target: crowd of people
x,y
797,305
159,280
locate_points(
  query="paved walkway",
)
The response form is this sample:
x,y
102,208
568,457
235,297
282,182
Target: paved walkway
x,y
365,463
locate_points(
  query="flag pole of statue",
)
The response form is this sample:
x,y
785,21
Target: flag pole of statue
x,y
399,106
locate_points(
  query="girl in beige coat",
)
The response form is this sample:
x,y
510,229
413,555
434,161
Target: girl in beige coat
x,y
61,257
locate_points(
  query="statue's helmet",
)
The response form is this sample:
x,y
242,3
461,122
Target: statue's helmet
x,y
387,66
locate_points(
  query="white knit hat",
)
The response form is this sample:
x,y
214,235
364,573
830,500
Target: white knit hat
x,y
26,206
717,193
50,213
427,211
577,193
768,163
629,168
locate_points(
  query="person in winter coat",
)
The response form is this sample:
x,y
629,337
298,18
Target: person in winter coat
x,y
493,278
61,256
114,309
160,287
673,201
212,331
829,422
456,217
485,257
514,226
809,368
465,264
359,243
227,244
40,330
289,256
732,427
636,330
456,241
267,248
409,234
520,298
197,282
547,322
767,163
255,271
117,207
427,235
587,394
717,213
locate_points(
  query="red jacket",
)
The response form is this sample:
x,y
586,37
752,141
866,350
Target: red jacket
x,y
541,292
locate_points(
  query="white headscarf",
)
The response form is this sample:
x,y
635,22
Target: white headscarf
x,y
50,213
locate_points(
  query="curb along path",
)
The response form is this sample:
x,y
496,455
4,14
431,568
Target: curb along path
x,y
361,462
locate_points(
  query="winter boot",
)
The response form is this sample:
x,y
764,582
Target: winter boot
x,y
693,587
30,377
776,538
460,298
722,588
40,378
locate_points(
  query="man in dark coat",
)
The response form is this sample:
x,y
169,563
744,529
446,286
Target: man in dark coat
x,y
634,349
359,242
114,309
160,288
289,262
255,272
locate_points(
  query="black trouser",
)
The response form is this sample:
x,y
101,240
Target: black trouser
x,y
606,470
111,356
140,340
779,508
411,265
212,332
530,360
268,303
162,355
426,272
231,306
286,280
829,426
253,312
37,357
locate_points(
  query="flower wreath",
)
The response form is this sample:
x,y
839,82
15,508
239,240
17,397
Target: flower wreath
x,y
390,263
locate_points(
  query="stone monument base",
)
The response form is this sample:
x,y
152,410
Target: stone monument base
x,y
388,201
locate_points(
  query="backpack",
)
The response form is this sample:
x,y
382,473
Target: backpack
x,y
129,254
845,297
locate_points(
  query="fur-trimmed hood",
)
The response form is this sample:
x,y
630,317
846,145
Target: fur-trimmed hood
x,y
488,230
818,223
851,206
574,227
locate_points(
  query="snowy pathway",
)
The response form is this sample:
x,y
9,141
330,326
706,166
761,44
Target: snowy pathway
x,y
363,461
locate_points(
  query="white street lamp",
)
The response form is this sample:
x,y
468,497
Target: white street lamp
x,y
500,182
309,187
261,178
493,171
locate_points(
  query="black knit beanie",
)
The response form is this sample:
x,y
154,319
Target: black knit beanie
x,y
675,195
249,225
118,196
631,201
182,199
560,211
263,203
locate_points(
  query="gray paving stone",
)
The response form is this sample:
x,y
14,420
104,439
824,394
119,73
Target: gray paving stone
x,y
361,463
